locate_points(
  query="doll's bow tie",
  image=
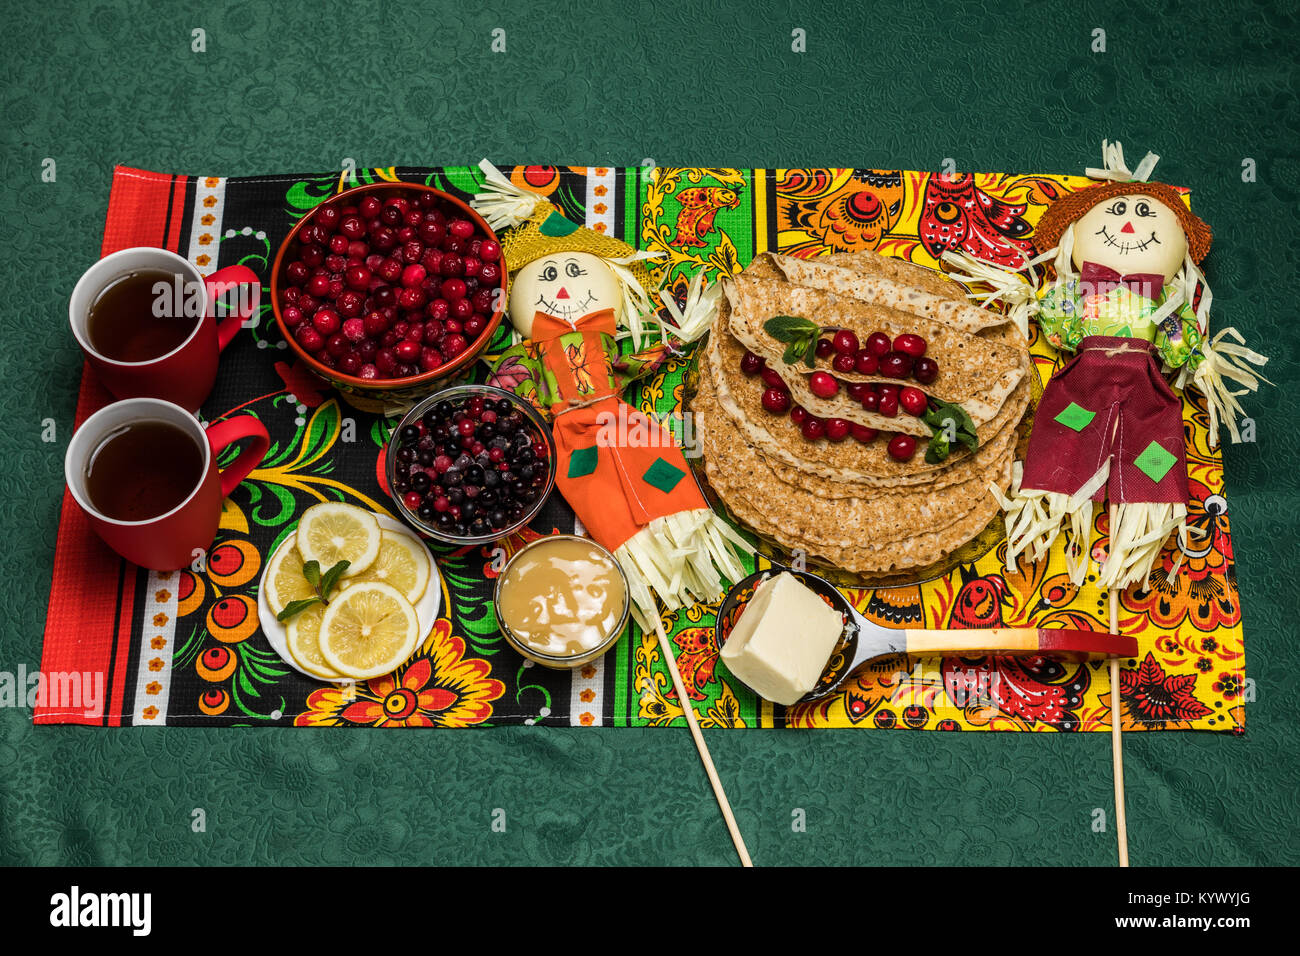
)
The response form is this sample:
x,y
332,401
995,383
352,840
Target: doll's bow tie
x,y
1103,278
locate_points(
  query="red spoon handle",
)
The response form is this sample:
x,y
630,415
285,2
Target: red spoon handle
x,y
1020,642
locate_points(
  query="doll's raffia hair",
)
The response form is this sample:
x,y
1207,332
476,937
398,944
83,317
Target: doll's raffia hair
x,y
1071,208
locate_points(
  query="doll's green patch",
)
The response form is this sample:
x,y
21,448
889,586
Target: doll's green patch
x,y
663,475
582,462
1154,461
1075,417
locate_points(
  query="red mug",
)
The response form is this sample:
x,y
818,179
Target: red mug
x,y
185,374
176,538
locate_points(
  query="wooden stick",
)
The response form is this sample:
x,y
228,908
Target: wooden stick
x,y
689,711
1116,741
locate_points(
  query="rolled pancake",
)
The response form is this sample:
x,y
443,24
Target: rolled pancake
x,y
897,292
887,532
974,371
780,439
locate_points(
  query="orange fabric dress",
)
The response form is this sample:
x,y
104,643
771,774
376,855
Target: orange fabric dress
x,y
618,469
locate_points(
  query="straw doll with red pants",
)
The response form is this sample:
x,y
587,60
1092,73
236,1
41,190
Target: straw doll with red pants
x,y
1130,302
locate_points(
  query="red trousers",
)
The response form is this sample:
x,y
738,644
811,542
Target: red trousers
x,y
1118,380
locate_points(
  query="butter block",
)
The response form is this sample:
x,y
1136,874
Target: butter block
x,y
783,639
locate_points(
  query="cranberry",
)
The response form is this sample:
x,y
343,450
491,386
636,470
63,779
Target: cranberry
x,y
461,228
368,372
327,217
472,265
292,315
909,344
865,363
452,265
384,239
412,500
352,227
411,299
413,275
319,286
312,255
338,244
452,326
431,233
358,250
326,321
888,405
902,447
844,342
354,330
871,401
878,344
482,300
824,349
474,325
751,364
415,332
462,309
351,303
385,361
309,338
770,377
439,309
490,274
453,288
925,370
433,332
430,359
837,429
453,345
370,206
896,365
823,384
432,261
857,390
813,428
776,400
336,345
374,324
844,363
913,401
297,272
798,414
489,251
862,433
350,363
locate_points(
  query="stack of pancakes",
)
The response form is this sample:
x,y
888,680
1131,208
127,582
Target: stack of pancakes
x,y
849,504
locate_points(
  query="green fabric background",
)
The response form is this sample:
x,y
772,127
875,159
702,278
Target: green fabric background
x,y
1006,85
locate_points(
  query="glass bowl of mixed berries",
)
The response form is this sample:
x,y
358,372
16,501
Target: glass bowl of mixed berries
x,y
470,464
388,289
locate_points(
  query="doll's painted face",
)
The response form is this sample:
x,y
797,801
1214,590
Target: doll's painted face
x,y
567,285
1131,234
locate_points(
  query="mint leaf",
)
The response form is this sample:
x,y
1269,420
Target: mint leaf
x,y
331,578
937,450
296,607
792,352
810,355
785,328
311,571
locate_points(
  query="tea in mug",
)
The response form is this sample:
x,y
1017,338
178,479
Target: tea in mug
x,y
124,324
143,470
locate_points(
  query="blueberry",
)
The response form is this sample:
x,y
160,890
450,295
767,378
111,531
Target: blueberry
x,y
420,482
411,433
406,453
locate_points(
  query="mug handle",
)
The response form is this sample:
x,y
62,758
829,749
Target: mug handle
x,y
223,434
232,275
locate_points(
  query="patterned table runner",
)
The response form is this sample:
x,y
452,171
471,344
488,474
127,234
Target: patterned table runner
x,y
184,648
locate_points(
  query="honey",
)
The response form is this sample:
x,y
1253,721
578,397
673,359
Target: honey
x,y
563,599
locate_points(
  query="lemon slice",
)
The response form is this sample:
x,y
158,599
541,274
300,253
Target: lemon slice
x,y
368,630
284,580
304,643
403,562
332,532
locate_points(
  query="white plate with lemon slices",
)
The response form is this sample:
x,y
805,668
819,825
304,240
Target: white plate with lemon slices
x,y
378,613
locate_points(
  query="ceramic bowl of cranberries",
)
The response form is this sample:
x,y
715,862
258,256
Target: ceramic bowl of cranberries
x,y
387,289
470,464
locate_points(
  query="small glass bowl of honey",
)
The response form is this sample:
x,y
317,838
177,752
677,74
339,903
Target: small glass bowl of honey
x,y
562,601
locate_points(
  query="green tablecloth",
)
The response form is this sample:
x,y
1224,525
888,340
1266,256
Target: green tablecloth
x,y
1011,86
